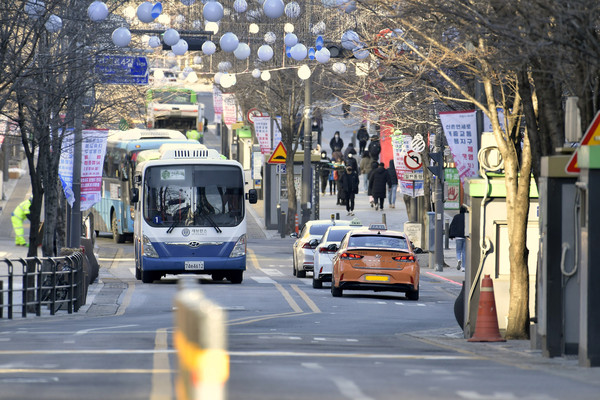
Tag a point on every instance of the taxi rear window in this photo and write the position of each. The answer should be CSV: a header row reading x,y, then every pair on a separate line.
x,y
318,229
378,241
337,235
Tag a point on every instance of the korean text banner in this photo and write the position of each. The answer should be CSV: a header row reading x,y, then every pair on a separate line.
x,y
460,128
262,130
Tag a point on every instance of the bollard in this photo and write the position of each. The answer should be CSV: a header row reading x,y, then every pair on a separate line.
x,y
383,219
337,215
446,235
296,227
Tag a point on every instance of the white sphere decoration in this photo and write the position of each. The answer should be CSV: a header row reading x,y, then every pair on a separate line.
x,y
121,37
171,58
323,55
97,11
54,24
304,72
265,52
290,39
270,37
288,28
224,66
35,8
209,47
319,28
180,19
253,28
242,52
154,41
180,48
292,10
339,68
164,19
256,73
217,77
171,37
350,40
240,6
144,12
298,52
197,60
229,42
211,27
360,52
273,8
228,80
213,11
265,75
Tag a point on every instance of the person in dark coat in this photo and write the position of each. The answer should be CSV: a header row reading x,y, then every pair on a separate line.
x,y
363,137
351,161
393,185
341,194
374,165
349,150
378,184
336,142
457,232
374,148
349,184
325,171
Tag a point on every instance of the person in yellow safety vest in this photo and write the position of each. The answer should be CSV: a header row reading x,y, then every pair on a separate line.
x,y
18,216
193,134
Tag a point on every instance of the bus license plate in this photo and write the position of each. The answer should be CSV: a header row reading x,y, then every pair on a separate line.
x,y
194,265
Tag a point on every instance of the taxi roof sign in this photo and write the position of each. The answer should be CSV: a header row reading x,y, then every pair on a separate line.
x,y
279,155
355,222
377,227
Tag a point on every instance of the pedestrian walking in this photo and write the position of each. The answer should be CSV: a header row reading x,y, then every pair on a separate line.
x,y
21,212
393,185
364,169
349,184
349,150
363,137
336,143
325,170
457,232
351,161
341,195
374,166
374,148
378,185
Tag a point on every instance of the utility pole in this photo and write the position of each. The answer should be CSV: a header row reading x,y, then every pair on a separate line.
x,y
438,170
306,205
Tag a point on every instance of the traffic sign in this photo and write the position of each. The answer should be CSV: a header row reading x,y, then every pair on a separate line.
x,y
591,138
413,176
122,70
279,155
413,160
253,112
418,144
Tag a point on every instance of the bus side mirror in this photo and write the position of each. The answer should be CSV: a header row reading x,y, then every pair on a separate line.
x,y
135,195
252,196
124,174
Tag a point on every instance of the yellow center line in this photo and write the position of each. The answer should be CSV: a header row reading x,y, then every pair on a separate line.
x,y
253,259
162,387
306,299
288,298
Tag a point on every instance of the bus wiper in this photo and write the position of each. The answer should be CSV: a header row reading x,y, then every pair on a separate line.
x,y
173,225
211,221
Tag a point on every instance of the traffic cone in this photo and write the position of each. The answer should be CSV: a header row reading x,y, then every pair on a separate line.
x,y
486,327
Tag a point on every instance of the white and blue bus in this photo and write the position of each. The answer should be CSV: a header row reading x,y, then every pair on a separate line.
x,y
190,214
113,213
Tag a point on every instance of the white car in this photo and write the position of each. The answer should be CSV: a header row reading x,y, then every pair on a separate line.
x,y
308,238
324,252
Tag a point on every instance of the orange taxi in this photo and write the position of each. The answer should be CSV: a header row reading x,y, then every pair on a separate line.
x,y
376,259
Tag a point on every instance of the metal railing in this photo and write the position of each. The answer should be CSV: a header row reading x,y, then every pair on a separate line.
x,y
36,283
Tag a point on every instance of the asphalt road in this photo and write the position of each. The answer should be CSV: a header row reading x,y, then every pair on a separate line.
x,y
286,340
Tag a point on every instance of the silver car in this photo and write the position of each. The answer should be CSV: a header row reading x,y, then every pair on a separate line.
x,y
307,240
324,252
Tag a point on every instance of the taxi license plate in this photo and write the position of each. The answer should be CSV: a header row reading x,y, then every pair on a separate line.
x,y
194,265
377,278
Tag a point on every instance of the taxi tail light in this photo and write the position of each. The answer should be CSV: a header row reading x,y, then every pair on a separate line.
x,y
408,258
307,246
325,250
350,256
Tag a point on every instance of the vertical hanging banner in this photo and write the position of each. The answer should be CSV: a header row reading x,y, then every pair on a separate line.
x,y
460,128
93,149
262,130
229,109
276,132
452,180
401,146
217,102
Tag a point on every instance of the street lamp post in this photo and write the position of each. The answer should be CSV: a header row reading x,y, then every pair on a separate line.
x,y
306,168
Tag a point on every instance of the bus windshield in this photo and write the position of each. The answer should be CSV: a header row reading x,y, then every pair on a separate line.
x,y
193,195
172,97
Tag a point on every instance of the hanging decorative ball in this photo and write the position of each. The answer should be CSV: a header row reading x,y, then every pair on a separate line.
x,y
265,52
288,50
304,72
54,24
242,52
217,77
224,66
350,40
154,41
253,28
273,8
311,53
180,48
292,10
209,47
319,42
229,42
290,39
339,68
228,80
360,52
97,11
318,28
213,11
197,60
144,12
253,15
180,19
265,75
288,28
270,37
121,37
35,8
212,27
156,10
240,6
298,52
323,55
171,37
256,73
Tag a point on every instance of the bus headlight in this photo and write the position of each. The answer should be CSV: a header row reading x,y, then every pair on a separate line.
x,y
239,249
132,212
147,248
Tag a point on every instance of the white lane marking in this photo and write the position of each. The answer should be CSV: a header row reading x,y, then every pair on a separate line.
x,y
84,331
263,279
132,270
341,355
349,389
312,365
272,272
117,259
472,395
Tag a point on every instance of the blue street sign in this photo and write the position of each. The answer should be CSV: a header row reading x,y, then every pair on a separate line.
x,y
122,70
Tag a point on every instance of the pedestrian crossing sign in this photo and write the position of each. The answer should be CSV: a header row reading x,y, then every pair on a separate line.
x,y
279,155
